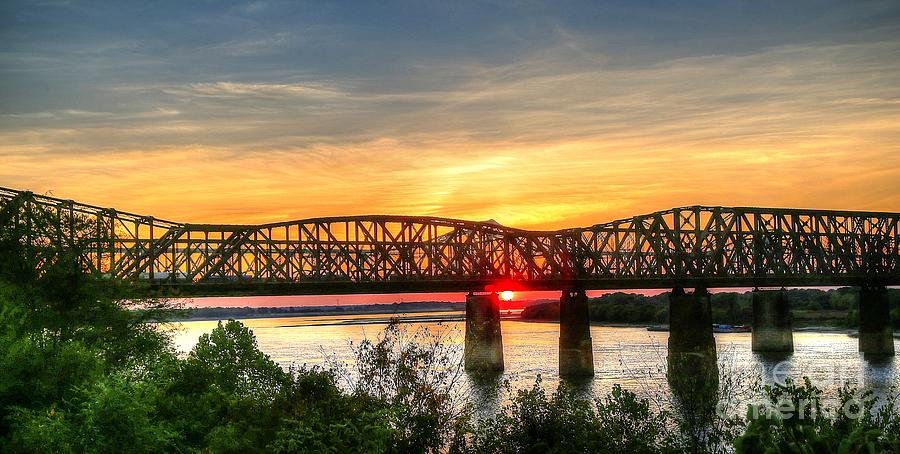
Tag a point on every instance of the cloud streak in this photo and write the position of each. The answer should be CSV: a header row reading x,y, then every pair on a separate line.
x,y
564,132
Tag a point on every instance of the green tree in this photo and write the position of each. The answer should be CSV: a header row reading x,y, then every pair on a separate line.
x,y
795,420
561,423
62,328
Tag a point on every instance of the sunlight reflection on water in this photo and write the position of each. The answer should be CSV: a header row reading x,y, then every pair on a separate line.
x,y
632,357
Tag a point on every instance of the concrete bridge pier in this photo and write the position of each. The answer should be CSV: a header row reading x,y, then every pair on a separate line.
x,y
690,323
484,342
692,370
772,322
576,352
876,337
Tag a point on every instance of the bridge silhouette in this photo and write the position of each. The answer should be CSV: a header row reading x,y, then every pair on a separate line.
x,y
696,247
681,247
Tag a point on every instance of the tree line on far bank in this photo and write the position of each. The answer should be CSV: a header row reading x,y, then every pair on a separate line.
x,y
219,313
838,308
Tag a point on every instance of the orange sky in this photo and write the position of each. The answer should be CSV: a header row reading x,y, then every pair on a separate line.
x,y
534,119
552,185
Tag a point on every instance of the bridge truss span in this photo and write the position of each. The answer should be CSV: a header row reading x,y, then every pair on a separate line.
x,y
688,246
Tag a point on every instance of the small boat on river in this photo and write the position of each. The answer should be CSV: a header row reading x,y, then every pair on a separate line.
x,y
731,328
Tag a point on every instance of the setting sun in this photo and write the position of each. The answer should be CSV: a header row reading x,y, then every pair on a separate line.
x,y
506,295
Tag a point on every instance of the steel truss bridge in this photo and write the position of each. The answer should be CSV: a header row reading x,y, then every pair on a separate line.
x,y
706,246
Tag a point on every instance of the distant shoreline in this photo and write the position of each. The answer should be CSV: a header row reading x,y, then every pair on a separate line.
x,y
327,313
249,312
387,309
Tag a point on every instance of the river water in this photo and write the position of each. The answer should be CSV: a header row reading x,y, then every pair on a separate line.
x,y
632,357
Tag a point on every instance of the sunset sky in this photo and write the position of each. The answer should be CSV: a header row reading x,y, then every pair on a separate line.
x,y
537,115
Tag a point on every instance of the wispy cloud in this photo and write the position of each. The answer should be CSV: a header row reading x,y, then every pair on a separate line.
x,y
238,90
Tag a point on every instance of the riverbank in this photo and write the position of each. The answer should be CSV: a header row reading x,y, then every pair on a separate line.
x,y
402,317
315,314
243,313
833,310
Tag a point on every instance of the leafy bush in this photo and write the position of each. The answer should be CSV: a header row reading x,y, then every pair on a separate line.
x,y
416,375
796,420
562,423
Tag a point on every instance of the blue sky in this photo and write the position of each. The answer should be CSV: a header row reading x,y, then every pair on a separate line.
x,y
537,114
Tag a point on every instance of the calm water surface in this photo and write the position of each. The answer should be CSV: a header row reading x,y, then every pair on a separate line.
x,y
632,357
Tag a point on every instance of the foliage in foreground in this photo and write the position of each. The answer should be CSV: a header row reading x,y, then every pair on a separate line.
x,y
81,372
796,419
562,423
